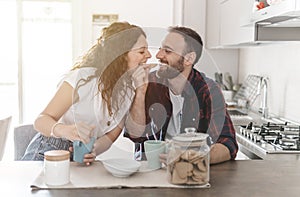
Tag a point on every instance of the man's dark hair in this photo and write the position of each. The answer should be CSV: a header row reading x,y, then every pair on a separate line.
x,y
192,39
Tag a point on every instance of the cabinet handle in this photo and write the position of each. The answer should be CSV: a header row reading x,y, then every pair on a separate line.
x,y
264,13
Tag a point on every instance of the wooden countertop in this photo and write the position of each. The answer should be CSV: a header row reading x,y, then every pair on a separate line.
x,y
233,178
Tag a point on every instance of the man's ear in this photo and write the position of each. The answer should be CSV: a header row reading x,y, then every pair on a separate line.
x,y
190,58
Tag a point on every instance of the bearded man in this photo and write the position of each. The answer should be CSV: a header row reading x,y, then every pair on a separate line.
x,y
177,96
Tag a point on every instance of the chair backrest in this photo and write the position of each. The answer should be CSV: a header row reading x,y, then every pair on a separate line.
x,y
22,137
4,128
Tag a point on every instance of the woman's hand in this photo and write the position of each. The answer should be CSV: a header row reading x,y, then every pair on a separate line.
x,y
88,158
78,131
140,76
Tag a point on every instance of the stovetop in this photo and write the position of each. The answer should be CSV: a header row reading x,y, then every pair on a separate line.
x,y
272,137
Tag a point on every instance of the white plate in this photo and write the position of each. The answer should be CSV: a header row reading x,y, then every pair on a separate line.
x,y
121,167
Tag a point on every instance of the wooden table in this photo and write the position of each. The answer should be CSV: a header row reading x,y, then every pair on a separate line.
x,y
233,178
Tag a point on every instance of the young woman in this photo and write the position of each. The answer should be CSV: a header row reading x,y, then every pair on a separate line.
x,y
93,99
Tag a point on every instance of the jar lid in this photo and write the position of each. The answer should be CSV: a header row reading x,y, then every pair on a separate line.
x,y
190,136
56,155
184,137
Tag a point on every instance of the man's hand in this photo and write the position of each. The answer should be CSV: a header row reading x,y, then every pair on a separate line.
x,y
163,158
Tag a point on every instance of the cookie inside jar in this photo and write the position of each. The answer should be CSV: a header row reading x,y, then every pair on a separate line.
x,y
188,159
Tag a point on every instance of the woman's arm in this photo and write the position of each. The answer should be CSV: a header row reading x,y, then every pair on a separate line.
x,y
135,123
103,143
59,104
136,120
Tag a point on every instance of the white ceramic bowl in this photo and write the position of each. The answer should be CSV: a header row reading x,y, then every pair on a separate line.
x,y
121,167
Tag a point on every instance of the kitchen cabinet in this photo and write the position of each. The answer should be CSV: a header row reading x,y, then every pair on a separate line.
x,y
213,24
225,23
190,13
226,60
284,8
195,15
233,13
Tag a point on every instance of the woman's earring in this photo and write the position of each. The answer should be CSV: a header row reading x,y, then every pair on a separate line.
x,y
102,41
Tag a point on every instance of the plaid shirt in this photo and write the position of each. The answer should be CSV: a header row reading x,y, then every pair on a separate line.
x,y
204,109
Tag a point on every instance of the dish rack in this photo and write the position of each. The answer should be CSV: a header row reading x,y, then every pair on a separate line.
x,y
248,92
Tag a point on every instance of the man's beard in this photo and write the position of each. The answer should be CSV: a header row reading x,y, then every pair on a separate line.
x,y
171,71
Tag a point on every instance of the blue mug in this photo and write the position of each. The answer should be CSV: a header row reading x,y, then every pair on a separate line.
x,y
80,149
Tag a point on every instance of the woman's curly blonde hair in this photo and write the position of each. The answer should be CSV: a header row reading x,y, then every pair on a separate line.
x,y
109,57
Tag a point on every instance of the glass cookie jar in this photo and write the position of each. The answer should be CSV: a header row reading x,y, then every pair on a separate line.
x,y
188,159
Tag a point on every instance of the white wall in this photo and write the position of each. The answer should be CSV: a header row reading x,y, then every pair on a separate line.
x,y
155,16
281,63
221,61
154,13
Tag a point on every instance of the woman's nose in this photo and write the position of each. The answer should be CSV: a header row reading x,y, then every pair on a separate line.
x,y
148,54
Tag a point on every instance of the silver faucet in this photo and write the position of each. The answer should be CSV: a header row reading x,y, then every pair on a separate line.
x,y
263,84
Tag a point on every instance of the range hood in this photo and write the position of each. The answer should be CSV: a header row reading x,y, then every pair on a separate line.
x,y
280,28
280,22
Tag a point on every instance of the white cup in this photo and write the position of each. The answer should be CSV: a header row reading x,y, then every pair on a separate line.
x,y
57,167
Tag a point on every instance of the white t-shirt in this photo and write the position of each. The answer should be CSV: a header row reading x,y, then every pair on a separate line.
x,y
175,121
90,107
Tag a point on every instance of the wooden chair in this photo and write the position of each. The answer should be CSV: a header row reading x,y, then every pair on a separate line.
x,y
4,128
22,136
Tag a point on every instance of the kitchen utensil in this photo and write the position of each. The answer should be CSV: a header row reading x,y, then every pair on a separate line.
x,y
228,80
224,87
236,87
219,80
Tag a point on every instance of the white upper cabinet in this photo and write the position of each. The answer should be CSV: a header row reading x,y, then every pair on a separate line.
x,y
194,15
213,24
282,8
233,13
225,23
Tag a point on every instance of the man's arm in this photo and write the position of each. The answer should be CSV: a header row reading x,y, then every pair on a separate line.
x,y
219,153
221,129
227,137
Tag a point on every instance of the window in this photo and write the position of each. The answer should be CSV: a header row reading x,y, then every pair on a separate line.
x,y
9,59
46,52
35,50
